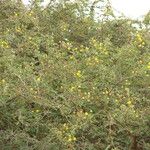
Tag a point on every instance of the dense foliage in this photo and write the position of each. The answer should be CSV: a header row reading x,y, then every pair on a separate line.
x,y
71,80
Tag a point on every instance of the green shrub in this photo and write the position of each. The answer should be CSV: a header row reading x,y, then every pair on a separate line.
x,y
71,82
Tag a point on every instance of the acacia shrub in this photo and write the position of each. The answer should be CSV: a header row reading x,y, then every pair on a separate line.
x,y
60,92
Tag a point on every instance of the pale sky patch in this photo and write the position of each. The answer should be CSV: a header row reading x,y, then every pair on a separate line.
x,y
130,8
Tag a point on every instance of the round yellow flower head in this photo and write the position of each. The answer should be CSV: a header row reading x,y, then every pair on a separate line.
x,y
74,138
148,66
86,113
16,14
31,89
72,88
96,59
71,57
3,81
38,79
37,110
129,102
69,139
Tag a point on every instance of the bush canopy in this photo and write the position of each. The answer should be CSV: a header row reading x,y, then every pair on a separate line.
x,y
73,76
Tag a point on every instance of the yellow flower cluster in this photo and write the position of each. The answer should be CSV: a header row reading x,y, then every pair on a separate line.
x,y
31,13
127,82
37,111
78,74
71,138
4,44
3,81
135,114
34,92
139,41
86,96
72,57
148,66
67,45
65,127
82,48
83,115
18,29
75,88
64,26
65,130
107,92
94,43
72,88
92,61
129,103
99,46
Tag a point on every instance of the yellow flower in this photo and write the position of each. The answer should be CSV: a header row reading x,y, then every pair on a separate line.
x,y
37,110
65,126
83,97
136,115
30,38
75,49
147,75
86,113
78,74
38,79
71,57
96,60
18,29
86,48
129,102
4,44
31,89
106,53
30,14
116,101
3,80
91,110
139,37
69,139
140,61
16,14
107,92
72,88
148,66
139,45
74,138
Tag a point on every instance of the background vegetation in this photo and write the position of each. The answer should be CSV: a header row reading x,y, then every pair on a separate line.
x,y
73,77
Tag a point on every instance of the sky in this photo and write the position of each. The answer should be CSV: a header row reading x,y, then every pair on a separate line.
x,y
134,9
